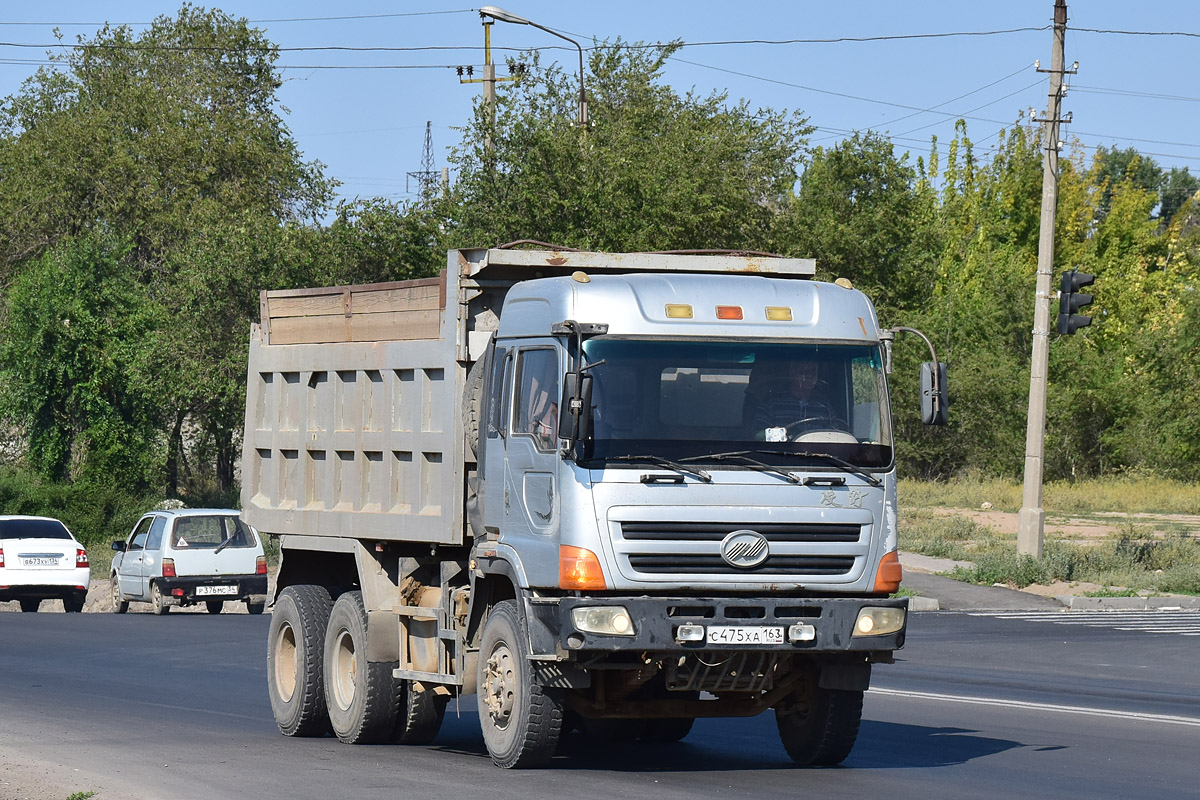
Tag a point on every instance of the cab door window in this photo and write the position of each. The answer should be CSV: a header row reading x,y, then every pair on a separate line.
x,y
535,412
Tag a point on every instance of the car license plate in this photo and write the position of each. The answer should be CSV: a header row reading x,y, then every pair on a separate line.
x,y
210,590
42,561
744,634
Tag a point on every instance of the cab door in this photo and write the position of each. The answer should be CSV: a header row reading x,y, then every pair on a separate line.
x,y
532,446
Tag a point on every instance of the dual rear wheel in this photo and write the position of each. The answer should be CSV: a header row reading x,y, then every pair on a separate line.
x,y
320,681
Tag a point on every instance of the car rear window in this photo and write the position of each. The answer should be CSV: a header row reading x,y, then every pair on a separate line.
x,y
33,529
209,532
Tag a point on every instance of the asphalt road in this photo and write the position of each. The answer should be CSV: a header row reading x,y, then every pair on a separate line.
x,y
139,706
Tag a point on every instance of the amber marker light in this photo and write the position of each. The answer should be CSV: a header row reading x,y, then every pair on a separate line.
x,y
779,314
729,312
579,569
889,574
679,311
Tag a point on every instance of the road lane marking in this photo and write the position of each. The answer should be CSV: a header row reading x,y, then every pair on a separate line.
x,y
1172,622
1111,713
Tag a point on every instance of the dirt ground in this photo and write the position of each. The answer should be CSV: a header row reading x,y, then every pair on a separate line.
x,y
99,602
1080,530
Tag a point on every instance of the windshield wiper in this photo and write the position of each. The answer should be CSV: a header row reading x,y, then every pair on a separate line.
x,y
744,457
664,462
840,463
223,545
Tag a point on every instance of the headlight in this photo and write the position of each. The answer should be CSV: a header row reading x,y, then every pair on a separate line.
x,y
878,621
608,620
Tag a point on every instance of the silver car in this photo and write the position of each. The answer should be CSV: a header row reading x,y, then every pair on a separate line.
x,y
189,556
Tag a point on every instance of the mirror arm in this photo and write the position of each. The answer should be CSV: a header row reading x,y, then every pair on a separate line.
x,y
936,377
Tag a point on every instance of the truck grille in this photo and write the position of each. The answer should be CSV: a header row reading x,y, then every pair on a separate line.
x,y
801,550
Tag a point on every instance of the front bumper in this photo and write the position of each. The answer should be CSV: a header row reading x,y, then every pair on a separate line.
x,y
185,588
656,620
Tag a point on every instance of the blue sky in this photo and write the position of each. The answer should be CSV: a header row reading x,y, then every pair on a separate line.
x,y
363,113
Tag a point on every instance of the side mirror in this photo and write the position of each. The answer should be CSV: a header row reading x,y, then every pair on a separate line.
x,y
119,546
935,397
575,416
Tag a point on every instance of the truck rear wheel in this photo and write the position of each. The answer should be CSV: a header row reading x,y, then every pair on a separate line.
x,y
295,660
521,720
819,729
420,715
360,694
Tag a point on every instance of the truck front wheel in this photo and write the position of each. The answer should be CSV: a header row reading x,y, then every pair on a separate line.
x,y
521,720
818,728
361,694
295,660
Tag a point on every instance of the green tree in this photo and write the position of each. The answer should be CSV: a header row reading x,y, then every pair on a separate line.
x,y
656,169
73,362
859,213
170,140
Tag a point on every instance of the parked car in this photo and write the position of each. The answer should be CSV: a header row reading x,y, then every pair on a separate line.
x,y
41,560
189,556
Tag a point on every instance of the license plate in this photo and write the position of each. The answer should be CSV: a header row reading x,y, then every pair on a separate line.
x,y
210,590
744,634
39,562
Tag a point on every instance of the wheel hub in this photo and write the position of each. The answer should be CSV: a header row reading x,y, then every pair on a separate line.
x,y
500,686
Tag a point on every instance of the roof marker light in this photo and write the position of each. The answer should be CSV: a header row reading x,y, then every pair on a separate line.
x,y
679,311
729,312
779,313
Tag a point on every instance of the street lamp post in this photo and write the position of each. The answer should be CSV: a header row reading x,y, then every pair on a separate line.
x,y
500,15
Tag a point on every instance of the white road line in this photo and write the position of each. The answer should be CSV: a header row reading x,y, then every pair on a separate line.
x,y
1167,719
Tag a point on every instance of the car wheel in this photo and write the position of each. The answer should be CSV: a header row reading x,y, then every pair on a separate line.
x,y
157,602
73,603
360,694
253,607
119,605
296,658
521,720
30,605
214,606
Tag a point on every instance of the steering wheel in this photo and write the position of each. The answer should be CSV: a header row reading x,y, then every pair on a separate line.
x,y
827,423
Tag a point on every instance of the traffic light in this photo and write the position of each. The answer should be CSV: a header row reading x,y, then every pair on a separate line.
x,y
1072,300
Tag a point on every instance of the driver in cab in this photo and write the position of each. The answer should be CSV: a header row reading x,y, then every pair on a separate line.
x,y
794,401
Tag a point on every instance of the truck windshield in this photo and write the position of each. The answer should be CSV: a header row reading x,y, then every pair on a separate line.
x,y
787,403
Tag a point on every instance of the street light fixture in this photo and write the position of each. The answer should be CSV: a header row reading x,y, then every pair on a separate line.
x,y
500,15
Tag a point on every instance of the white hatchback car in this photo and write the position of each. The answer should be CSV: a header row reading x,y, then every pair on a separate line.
x,y
189,556
41,560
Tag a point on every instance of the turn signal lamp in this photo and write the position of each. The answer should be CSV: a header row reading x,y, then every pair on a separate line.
x,y
168,568
889,574
81,559
579,569
260,565
679,311
779,314
1,556
729,312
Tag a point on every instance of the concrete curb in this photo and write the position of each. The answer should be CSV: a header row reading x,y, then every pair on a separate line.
x,y
1074,603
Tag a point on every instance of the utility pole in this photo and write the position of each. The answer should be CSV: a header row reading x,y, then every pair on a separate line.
x,y
488,80
1032,519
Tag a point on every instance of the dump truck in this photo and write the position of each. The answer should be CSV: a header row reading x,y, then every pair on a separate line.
x,y
605,492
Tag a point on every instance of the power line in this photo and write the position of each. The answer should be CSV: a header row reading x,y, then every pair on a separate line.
x,y
257,21
1138,33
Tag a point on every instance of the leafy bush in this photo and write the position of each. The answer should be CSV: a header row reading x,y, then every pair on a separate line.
x,y
95,513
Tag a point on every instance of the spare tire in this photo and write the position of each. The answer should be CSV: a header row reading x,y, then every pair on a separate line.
x,y
472,410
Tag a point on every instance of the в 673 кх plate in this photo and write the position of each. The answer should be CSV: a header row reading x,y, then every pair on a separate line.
x,y
206,590
745,634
